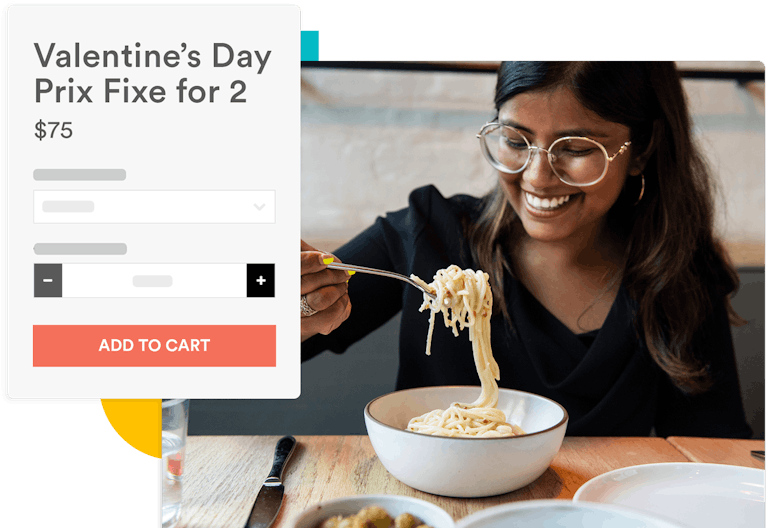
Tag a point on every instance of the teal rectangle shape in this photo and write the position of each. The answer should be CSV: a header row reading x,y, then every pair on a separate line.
x,y
310,45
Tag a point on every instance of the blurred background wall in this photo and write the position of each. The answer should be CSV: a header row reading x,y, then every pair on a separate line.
x,y
370,136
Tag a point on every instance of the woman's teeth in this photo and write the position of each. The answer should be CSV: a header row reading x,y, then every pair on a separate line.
x,y
546,203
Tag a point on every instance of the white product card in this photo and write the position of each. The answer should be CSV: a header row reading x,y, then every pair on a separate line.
x,y
153,201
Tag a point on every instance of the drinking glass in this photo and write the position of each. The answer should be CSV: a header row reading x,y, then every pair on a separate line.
x,y
175,421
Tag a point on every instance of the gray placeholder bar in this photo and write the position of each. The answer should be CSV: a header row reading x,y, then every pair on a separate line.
x,y
81,249
68,206
79,174
152,281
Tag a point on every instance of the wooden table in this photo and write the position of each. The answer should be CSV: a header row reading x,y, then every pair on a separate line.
x,y
719,451
224,473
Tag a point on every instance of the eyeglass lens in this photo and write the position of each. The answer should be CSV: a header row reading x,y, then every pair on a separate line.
x,y
577,161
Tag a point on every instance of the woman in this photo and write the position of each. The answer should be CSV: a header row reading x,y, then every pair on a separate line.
x,y
610,291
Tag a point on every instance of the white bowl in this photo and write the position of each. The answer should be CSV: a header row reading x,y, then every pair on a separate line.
x,y
430,514
465,467
563,514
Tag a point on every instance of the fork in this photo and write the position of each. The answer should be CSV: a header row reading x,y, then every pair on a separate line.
x,y
390,274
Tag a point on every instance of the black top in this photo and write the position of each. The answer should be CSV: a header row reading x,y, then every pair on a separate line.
x,y
605,379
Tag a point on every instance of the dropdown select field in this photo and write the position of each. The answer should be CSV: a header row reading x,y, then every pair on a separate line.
x,y
154,207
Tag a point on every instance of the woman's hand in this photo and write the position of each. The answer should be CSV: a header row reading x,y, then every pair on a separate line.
x,y
323,293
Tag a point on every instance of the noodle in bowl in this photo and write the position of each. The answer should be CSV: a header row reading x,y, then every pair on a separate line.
x,y
465,300
465,467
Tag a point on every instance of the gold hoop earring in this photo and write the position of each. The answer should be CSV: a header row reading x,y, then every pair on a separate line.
x,y
642,189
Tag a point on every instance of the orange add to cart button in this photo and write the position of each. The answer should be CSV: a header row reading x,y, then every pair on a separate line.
x,y
154,346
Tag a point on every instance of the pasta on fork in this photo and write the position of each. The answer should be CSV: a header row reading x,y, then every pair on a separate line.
x,y
468,296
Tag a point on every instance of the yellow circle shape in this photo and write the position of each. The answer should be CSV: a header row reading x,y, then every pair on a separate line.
x,y
138,422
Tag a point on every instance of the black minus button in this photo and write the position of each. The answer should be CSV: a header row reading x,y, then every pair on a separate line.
x,y
47,280
261,280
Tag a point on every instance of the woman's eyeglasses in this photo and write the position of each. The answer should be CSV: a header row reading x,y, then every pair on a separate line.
x,y
577,161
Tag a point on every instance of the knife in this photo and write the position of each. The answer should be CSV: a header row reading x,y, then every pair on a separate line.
x,y
270,496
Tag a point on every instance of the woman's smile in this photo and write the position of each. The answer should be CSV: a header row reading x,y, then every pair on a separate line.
x,y
538,204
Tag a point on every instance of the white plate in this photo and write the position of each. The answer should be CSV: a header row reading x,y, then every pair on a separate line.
x,y
429,513
562,514
700,495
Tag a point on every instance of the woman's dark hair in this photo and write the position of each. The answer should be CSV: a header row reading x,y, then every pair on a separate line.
x,y
672,263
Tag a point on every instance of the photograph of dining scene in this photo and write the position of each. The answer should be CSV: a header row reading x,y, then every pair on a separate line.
x,y
532,295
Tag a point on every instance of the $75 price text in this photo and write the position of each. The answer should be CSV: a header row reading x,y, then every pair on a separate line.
x,y
52,129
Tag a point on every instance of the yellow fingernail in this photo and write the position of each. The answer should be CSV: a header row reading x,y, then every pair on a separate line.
x,y
351,272
328,260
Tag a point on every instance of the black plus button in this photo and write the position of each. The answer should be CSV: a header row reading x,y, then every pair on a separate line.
x,y
261,280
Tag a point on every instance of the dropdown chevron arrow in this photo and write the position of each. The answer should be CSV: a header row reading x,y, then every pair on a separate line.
x,y
259,207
